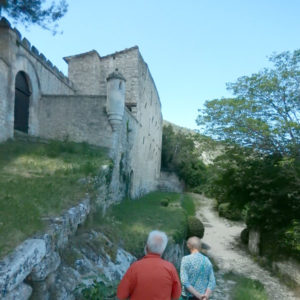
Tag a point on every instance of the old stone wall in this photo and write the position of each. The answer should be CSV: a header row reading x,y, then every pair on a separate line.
x,y
75,108
126,167
4,116
84,71
150,134
17,54
143,104
88,72
126,62
79,118
83,118
35,259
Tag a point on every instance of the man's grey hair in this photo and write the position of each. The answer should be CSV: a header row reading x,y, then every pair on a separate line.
x,y
194,243
157,242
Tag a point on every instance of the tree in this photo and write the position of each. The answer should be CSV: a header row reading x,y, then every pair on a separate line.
x,y
34,12
259,171
179,155
265,112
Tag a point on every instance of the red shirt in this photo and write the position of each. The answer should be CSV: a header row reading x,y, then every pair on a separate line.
x,y
150,278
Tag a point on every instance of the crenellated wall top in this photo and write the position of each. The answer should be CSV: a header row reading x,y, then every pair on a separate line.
x,y
24,42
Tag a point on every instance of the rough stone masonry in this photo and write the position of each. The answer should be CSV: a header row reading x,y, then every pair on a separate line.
x,y
109,101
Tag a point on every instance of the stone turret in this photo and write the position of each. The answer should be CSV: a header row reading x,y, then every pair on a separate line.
x,y
115,99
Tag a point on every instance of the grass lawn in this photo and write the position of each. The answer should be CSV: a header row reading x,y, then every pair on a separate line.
x,y
128,223
246,288
39,180
188,204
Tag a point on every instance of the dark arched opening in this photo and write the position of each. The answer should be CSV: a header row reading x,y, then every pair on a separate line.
x,y
22,98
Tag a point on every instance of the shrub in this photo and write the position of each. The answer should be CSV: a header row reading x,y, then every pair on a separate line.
x,y
227,211
245,235
198,189
164,202
291,239
195,227
98,291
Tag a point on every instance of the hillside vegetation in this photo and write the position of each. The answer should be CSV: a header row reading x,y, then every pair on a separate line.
x,y
128,223
256,176
181,153
39,180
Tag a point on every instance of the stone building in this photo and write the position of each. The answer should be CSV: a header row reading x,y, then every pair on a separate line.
x,y
109,101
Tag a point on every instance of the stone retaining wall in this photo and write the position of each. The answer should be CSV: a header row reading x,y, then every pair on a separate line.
x,y
35,259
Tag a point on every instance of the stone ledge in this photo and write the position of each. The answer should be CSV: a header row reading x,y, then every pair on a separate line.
x,y
38,257
63,227
48,265
18,265
22,292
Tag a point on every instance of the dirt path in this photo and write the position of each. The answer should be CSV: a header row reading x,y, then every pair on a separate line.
x,y
222,237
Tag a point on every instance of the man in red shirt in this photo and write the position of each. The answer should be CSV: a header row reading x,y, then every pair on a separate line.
x,y
151,278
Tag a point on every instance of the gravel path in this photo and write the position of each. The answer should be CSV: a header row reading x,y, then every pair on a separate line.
x,y
222,237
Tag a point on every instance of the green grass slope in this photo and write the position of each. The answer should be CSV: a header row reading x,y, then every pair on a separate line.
x,y
40,180
128,223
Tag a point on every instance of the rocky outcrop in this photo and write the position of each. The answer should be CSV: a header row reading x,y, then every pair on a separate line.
x,y
56,263
36,259
174,253
22,291
17,266
48,265
254,241
89,256
169,182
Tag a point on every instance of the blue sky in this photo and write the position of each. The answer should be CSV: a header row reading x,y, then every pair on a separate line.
x,y
192,47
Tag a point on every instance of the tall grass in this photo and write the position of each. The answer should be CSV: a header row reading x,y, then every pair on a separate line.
x,y
40,180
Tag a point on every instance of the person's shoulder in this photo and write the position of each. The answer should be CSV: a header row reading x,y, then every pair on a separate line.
x,y
136,264
187,257
168,264
207,260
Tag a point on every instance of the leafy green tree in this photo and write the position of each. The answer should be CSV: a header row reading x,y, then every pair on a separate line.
x,y
259,171
180,156
34,12
265,112
177,148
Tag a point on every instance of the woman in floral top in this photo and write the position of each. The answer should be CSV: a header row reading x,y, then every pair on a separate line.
x,y
196,273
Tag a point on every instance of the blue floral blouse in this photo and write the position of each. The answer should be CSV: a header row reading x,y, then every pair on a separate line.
x,y
196,271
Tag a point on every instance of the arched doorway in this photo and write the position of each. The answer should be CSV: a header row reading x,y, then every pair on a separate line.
x,y
22,98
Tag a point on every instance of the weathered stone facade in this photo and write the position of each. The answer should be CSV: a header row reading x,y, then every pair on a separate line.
x,y
76,107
